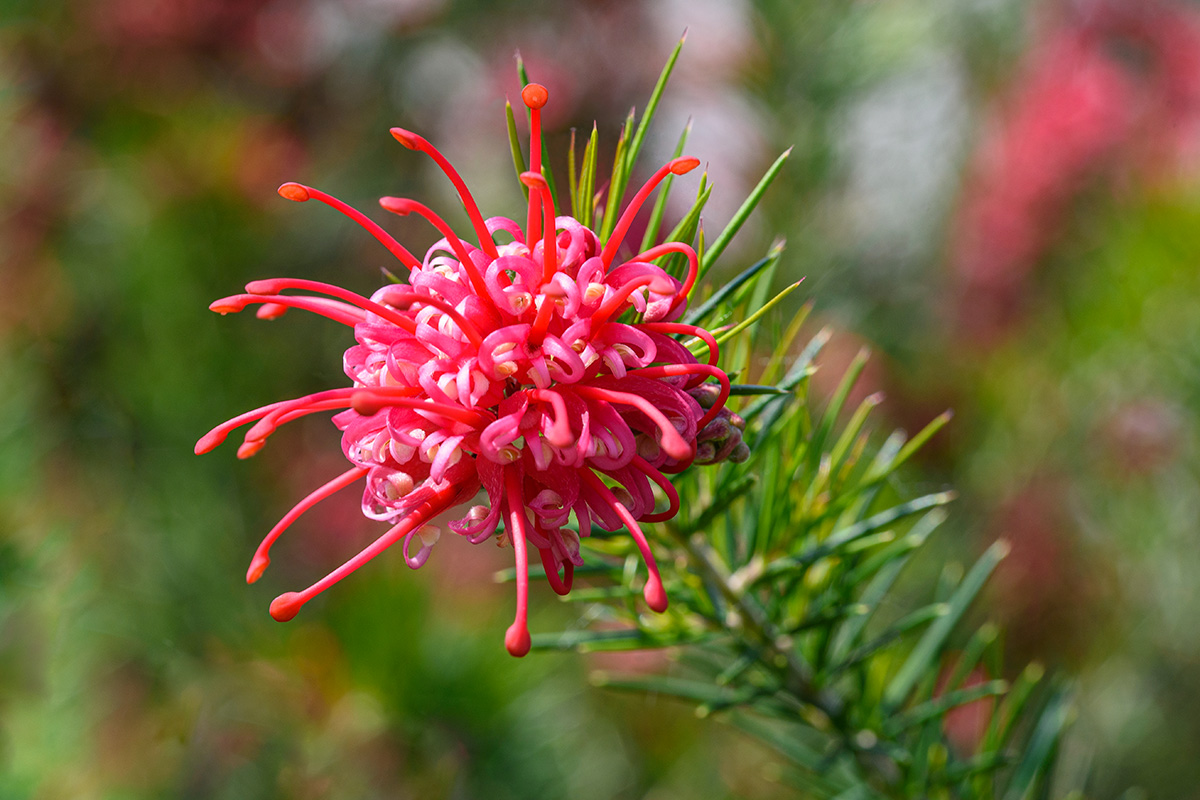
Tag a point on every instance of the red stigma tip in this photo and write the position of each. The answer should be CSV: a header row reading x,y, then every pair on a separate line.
x,y
535,96
286,606
208,441
294,192
396,205
257,567
406,138
516,639
679,166
262,287
655,594
271,311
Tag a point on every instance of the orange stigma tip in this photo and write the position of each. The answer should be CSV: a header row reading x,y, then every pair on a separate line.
x,y
257,567
686,164
251,448
294,192
655,594
533,179
516,639
535,95
226,306
286,606
406,138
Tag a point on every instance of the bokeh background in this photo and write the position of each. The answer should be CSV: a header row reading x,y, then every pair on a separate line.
x,y
1001,197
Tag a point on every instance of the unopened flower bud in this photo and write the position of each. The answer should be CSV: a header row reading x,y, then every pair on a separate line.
x,y
715,431
726,446
705,394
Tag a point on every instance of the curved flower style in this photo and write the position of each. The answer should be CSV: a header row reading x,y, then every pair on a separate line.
x,y
505,366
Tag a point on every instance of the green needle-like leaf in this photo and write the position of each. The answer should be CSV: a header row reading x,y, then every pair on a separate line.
x,y
573,177
934,612
800,370
616,183
906,452
844,536
515,143
789,745
752,389
937,708
742,214
702,311
834,408
587,181
697,691
728,496
685,230
660,203
932,642
635,147
757,315
1041,748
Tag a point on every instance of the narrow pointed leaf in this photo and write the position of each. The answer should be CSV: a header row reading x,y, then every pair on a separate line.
x,y
1041,748
937,707
800,370
694,690
573,177
906,452
723,501
660,203
757,315
844,536
931,643
739,218
695,316
515,143
587,181
752,389
635,147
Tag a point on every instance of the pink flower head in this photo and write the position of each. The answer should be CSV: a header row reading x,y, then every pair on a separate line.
x,y
505,366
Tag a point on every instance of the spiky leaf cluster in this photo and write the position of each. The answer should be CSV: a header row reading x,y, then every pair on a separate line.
x,y
784,572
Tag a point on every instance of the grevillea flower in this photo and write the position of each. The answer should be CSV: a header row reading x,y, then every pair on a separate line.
x,y
505,366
